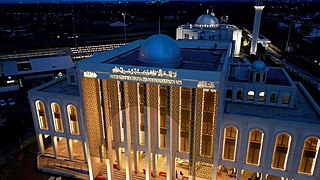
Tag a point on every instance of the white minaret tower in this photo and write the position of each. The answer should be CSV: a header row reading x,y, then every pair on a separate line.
x,y
256,26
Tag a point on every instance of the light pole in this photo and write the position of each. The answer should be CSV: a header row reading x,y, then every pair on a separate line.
x,y
124,27
74,31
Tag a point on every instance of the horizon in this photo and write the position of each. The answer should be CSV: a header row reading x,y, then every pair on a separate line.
x,y
128,1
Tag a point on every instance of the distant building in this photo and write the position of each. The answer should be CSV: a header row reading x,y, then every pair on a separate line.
x,y
16,68
118,24
207,27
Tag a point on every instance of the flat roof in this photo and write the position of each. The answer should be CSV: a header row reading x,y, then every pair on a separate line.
x,y
61,87
302,112
192,58
275,76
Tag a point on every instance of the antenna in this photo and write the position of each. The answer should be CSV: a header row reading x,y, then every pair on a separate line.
x,y
159,25
74,31
124,27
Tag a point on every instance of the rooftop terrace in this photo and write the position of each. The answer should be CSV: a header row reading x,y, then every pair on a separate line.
x,y
302,112
195,59
60,87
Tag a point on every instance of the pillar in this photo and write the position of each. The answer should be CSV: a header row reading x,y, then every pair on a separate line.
x,y
70,148
256,27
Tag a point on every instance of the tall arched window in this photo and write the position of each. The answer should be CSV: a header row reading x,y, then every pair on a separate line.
x,y
258,77
229,94
73,119
41,112
56,116
239,94
281,151
254,147
309,155
230,143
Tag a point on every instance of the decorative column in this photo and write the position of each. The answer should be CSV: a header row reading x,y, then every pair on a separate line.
x,y
152,105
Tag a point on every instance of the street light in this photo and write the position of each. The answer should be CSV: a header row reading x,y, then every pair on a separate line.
x,y
124,27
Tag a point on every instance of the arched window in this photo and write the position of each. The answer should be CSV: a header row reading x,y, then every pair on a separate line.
x,y
73,119
309,155
285,99
262,96
254,147
274,98
41,112
56,116
281,151
230,143
258,77
229,94
250,95
239,94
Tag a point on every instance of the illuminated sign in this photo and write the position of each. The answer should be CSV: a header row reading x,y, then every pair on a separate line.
x,y
90,74
206,85
148,76
146,79
151,72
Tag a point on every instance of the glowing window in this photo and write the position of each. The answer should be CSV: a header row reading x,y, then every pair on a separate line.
x,y
185,119
41,112
281,151
230,143
73,119
162,116
251,95
262,96
254,147
309,155
142,102
56,116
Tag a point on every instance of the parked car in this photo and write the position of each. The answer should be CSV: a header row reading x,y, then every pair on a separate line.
x,y
3,102
11,102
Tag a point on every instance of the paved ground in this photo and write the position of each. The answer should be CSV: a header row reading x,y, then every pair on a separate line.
x,y
27,170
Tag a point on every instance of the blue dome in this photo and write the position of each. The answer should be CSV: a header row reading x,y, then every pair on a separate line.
x,y
207,20
258,65
160,51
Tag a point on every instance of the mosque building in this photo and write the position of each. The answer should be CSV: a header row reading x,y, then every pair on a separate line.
x,y
176,109
208,27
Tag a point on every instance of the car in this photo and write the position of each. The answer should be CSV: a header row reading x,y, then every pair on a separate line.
x,y
11,102
3,102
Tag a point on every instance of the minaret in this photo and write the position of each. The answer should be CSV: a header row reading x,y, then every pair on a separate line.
x,y
256,26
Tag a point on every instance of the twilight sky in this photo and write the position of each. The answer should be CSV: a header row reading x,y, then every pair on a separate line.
x,y
50,1
62,1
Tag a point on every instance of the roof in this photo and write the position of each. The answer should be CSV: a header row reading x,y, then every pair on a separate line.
x,y
37,65
302,112
59,86
195,59
275,76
